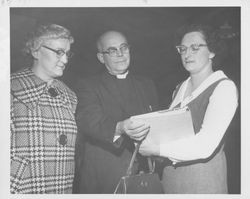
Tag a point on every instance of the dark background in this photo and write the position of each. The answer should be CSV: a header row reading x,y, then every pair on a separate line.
x,y
150,32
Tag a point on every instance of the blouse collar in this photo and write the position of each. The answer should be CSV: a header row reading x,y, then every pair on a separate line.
x,y
215,76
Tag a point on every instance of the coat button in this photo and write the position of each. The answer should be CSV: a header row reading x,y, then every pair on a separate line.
x,y
63,139
52,92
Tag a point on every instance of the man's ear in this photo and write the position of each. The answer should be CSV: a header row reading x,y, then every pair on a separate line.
x,y
100,57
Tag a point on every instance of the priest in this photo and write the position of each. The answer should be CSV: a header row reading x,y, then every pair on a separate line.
x,y
106,102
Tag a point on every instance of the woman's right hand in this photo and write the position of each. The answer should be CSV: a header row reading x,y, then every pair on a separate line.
x,y
149,147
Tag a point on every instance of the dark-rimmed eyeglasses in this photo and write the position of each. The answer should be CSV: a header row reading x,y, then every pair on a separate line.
x,y
60,52
113,51
182,49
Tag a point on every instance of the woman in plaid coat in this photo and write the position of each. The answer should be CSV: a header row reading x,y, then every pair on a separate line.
x,y
43,128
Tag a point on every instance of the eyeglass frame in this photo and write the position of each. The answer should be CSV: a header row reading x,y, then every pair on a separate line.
x,y
60,52
194,48
116,50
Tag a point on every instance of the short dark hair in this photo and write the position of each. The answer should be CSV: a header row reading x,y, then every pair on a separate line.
x,y
207,31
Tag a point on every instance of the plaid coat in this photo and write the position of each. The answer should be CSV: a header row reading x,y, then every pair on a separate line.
x,y
39,163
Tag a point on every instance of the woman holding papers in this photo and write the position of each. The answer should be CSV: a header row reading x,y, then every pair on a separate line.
x,y
199,162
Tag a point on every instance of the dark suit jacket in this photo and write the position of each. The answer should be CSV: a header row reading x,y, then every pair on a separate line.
x,y
101,105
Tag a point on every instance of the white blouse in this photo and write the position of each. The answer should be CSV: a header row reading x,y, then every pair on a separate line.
x,y
220,111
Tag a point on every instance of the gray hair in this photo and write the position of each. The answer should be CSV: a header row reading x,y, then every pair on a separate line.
x,y
44,33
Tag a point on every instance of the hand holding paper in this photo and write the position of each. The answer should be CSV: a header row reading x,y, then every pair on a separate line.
x,y
148,147
135,129
167,125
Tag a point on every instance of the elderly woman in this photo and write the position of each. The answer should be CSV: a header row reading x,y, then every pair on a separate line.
x,y
43,127
199,162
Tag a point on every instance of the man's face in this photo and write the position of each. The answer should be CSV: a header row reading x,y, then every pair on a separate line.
x,y
116,62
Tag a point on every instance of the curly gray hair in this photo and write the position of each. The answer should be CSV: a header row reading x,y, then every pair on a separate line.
x,y
44,33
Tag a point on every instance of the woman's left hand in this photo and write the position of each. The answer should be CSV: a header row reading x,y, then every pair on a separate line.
x,y
149,147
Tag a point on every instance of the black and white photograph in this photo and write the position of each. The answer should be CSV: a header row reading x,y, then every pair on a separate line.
x,y
116,99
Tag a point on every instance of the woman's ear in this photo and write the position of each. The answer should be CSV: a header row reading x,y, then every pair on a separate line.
x,y
211,55
100,57
34,54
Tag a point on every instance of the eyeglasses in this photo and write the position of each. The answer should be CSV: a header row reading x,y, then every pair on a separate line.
x,y
60,52
112,51
194,48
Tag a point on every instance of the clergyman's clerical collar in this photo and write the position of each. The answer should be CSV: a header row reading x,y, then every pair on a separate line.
x,y
121,76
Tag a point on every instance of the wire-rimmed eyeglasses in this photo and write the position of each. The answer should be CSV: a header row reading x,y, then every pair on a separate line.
x,y
60,52
182,49
113,51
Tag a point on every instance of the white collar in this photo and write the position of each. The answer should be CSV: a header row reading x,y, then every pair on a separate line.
x,y
205,84
121,76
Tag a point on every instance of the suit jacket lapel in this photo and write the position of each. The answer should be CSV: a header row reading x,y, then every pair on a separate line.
x,y
113,90
140,95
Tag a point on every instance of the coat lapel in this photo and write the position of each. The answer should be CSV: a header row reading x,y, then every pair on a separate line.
x,y
140,95
138,92
114,92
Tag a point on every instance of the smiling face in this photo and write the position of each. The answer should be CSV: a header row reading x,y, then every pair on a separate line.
x,y
115,64
198,61
47,63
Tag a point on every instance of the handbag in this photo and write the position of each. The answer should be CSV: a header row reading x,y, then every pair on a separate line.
x,y
143,183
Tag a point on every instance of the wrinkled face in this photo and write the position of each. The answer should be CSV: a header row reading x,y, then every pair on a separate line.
x,y
50,64
118,63
196,60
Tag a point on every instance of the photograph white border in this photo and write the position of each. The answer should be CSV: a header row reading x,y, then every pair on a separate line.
x,y
5,81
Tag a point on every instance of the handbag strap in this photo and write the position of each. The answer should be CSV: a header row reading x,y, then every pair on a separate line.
x,y
151,165
129,170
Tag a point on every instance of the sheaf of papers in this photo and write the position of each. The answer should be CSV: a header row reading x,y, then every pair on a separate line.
x,y
168,125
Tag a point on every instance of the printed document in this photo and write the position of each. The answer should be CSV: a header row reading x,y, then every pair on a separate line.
x,y
168,125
